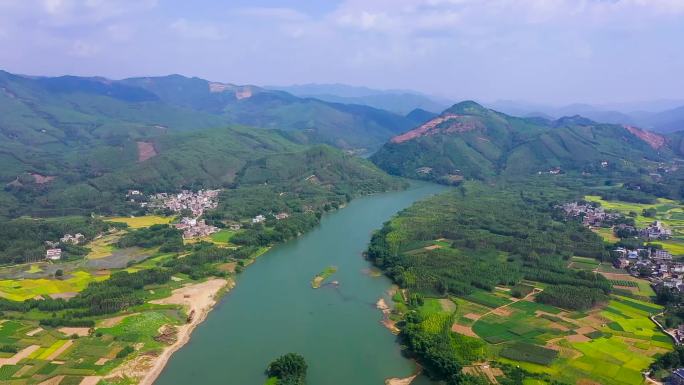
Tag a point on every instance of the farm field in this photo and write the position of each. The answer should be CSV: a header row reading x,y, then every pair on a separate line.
x,y
611,345
606,233
23,289
140,222
668,211
50,353
103,246
222,236
583,263
624,281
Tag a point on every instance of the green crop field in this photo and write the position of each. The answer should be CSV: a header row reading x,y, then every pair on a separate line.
x,y
140,328
487,299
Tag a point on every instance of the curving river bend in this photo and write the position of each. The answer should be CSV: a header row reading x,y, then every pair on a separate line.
x,y
273,309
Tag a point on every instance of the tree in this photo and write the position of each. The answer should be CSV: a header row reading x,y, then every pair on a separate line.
x,y
288,369
59,273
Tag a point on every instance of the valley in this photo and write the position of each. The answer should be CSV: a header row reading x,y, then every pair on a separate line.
x,y
553,257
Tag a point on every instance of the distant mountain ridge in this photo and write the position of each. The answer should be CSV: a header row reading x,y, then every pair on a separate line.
x,y
398,101
468,140
660,116
177,102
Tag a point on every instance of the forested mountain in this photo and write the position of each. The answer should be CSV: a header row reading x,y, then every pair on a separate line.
x,y
470,141
72,145
40,110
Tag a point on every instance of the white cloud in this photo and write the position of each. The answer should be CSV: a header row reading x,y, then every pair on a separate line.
x,y
83,49
198,30
272,13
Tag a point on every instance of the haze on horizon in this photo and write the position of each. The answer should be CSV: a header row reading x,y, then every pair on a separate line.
x,y
544,51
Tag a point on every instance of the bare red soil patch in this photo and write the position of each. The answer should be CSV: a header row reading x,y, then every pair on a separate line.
x,y
146,151
654,140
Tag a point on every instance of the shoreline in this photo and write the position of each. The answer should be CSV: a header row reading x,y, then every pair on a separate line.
x,y
199,299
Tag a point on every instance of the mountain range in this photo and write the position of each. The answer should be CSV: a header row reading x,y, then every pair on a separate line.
x,y
47,110
468,140
660,116
73,145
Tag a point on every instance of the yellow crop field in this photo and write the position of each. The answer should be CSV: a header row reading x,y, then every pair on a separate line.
x,y
141,222
23,289
102,247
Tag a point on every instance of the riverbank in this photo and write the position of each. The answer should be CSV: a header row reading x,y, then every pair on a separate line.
x,y
198,299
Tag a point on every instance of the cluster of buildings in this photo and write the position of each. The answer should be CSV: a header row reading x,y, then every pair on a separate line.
x,y
262,218
656,230
196,202
592,215
656,265
72,239
193,228
54,252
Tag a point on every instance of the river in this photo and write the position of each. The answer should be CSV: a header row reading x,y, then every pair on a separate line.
x,y
273,309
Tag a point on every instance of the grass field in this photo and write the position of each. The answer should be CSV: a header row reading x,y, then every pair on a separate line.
x,y
222,236
23,289
140,222
606,233
583,263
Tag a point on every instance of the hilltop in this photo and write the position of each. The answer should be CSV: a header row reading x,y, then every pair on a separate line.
x,y
470,141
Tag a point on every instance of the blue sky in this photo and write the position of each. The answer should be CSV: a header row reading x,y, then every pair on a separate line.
x,y
549,51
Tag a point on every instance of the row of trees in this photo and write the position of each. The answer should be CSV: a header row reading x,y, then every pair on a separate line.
x,y
572,297
167,238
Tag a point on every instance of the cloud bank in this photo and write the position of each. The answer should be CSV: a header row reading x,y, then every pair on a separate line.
x,y
552,51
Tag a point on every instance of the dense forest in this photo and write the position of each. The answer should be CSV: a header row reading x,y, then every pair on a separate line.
x,y
166,237
497,237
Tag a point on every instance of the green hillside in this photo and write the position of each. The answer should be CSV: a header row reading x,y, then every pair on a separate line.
x,y
73,145
470,141
313,120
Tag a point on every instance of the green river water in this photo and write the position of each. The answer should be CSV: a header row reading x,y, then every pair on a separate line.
x,y
273,309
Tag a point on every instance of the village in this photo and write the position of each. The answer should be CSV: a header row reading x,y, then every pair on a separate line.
x,y
649,262
185,202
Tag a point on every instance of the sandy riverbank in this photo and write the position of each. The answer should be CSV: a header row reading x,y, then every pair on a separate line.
x,y
401,381
197,299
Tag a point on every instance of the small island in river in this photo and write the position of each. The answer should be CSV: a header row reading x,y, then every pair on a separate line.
x,y
318,280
